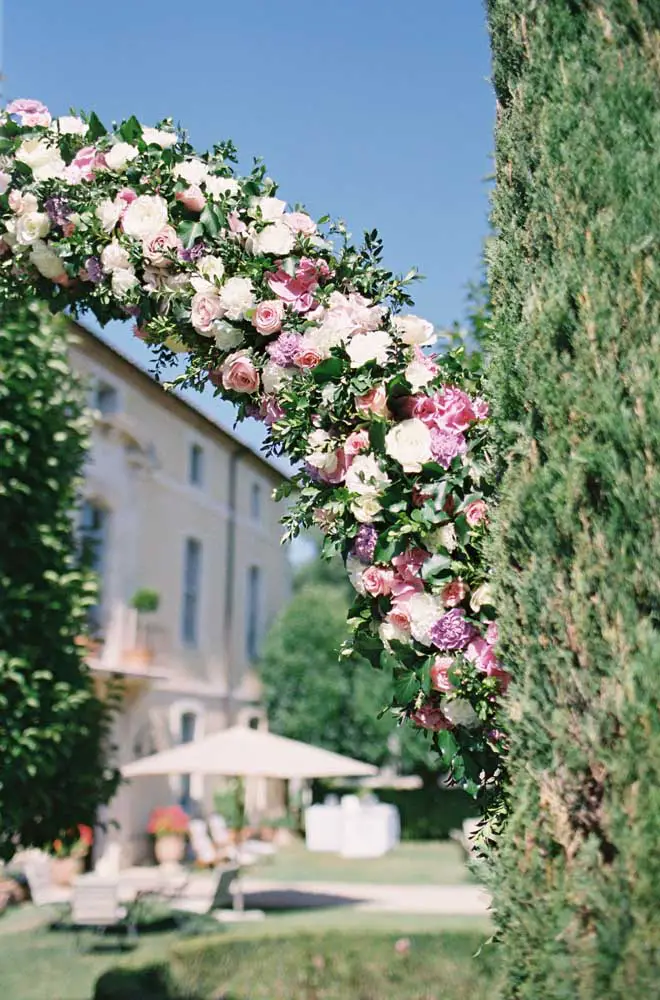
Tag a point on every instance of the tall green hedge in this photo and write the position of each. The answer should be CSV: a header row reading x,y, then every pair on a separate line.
x,y
52,727
576,386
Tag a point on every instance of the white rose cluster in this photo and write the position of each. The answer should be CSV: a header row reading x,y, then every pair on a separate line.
x,y
409,444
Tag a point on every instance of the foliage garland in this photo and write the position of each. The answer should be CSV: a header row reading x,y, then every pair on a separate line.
x,y
303,330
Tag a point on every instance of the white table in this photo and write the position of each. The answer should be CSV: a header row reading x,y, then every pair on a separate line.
x,y
352,829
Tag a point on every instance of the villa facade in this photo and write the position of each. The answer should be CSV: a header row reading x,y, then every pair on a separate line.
x,y
173,504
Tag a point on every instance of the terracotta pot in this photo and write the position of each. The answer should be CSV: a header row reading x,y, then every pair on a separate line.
x,y
170,848
64,870
140,656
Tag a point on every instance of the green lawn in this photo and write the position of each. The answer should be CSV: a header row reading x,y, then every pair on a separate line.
x,y
278,958
411,863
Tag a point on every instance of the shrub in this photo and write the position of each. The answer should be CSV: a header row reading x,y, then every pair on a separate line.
x,y
575,383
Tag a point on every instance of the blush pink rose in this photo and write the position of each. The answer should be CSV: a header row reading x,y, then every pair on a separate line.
x,y
267,318
236,224
377,581
355,443
155,250
373,402
192,198
300,222
311,272
205,310
239,373
440,674
476,512
84,165
29,113
454,593
399,615
337,473
307,357
430,717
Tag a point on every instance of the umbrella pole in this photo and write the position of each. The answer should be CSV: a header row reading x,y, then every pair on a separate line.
x,y
239,898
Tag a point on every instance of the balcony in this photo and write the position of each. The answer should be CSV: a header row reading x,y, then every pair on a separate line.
x,y
124,657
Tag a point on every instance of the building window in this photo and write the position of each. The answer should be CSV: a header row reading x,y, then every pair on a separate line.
x,y
192,570
106,398
94,528
196,465
255,502
186,735
253,612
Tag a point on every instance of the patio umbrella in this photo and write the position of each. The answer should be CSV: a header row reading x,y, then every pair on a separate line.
x,y
245,753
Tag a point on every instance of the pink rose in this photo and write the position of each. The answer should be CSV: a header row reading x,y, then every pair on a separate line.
x,y
440,674
482,655
422,407
337,472
125,197
29,113
236,224
475,512
429,717
300,222
373,402
480,407
155,249
377,581
267,318
192,198
310,272
492,633
239,373
399,615
291,290
355,443
307,357
409,564
84,165
205,310
454,407
454,593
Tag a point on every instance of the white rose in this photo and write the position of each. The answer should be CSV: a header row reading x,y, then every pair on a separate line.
x,y
389,632
236,297
158,137
22,203
211,268
276,239
218,186
70,125
409,444
115,258
355,569
271,208
145,217
418,375
365,476
444,537
43,159
192,171
366,509
482,595
123,281
372,346
413,330
5,181
109,213
324,461
424,610
273,377
30,227
319,439
46,261
120,155
227,336
459,711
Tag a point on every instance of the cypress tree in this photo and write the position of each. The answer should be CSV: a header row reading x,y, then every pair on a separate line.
x,y
575,381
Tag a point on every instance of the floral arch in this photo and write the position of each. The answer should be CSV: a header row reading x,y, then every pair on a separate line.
x,y
283,316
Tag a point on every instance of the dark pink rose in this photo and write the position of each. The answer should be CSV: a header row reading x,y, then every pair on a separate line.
x,y
409,564
377,581
239,373
454,408
291,290
430,717
476,512
454,593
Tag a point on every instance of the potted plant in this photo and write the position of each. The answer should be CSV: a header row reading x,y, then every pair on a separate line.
x,y
169,826
70,851
144,602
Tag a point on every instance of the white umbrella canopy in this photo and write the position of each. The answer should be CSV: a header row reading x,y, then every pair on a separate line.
x,y
244,753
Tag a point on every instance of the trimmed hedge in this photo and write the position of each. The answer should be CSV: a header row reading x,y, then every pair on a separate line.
x,y
428,813
575,382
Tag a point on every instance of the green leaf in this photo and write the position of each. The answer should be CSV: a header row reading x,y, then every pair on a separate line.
x,y
447,745
328,370
212,219
406,687
189,231
377,435
130,130
96,127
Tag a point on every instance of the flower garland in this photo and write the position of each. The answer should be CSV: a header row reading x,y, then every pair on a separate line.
x,y
302,330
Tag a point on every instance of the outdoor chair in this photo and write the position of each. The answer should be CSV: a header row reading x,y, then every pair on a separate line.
x,y
202,846
95,906
37,871
222,896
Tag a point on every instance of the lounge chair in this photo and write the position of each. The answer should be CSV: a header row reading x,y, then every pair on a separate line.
x,y
222,896
37,871
203,848
95,906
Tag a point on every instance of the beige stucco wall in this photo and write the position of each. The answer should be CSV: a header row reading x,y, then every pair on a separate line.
x,y
139,471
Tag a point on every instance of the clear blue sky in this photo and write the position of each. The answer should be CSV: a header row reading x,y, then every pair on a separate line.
x,y
376,111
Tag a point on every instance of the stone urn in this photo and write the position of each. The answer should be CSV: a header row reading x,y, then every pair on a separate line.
x,y
170,848
64,870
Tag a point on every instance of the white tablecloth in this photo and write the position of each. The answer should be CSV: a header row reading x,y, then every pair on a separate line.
x,y
352,830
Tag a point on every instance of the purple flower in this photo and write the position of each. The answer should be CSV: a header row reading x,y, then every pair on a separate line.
x,y
365,543
94,270
446,445
193,253
452,631
284,349
58,210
